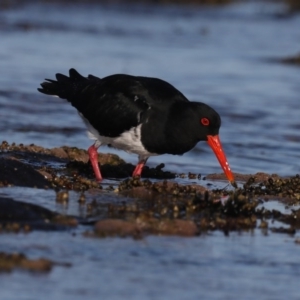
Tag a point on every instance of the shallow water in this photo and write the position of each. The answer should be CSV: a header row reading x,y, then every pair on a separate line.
x,y
225,57
221,56
210,267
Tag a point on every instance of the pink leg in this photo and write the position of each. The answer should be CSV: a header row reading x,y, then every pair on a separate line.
x,y
139,167
93,155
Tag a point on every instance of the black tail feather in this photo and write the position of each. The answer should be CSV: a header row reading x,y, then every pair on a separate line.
x,y
92,77
75,75
66,87
62,78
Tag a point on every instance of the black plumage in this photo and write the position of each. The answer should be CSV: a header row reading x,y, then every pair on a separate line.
x,y
167,121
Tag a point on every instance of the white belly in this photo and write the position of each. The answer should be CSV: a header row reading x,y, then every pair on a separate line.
x,y
129,141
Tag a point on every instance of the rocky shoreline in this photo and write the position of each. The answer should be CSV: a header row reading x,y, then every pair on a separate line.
x,y
143,206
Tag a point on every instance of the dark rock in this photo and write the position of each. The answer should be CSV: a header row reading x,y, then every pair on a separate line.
x,y
14,172
290,230
16,216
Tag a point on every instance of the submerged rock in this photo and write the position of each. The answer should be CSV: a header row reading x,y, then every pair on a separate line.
x,y
115,227
18,216
13,261
8,262
144,226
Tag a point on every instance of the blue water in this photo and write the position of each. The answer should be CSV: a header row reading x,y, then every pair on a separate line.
x,y
244,265
221,56
226,57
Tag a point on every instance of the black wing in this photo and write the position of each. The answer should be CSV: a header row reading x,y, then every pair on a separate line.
x,y
115,103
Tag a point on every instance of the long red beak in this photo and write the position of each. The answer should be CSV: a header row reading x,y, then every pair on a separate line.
x,y
215,143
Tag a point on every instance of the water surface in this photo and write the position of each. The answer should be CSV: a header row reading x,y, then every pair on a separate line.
x,y
226,57
221,56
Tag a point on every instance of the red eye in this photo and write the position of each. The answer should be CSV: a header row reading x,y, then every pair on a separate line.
x,y
205,121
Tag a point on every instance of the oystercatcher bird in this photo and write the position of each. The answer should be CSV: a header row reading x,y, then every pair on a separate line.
x,y
141,115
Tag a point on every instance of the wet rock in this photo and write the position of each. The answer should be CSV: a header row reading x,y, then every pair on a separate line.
x,y
18,216
119,170
59,152
64,221
260,176
133,186
274,186
169,227
14,172
161,207
69,153
76,165
114,227
290,230
145,226
9,262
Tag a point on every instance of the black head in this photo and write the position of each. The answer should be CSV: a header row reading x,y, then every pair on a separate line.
x,y
188,123
206,120
193,122
208,129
